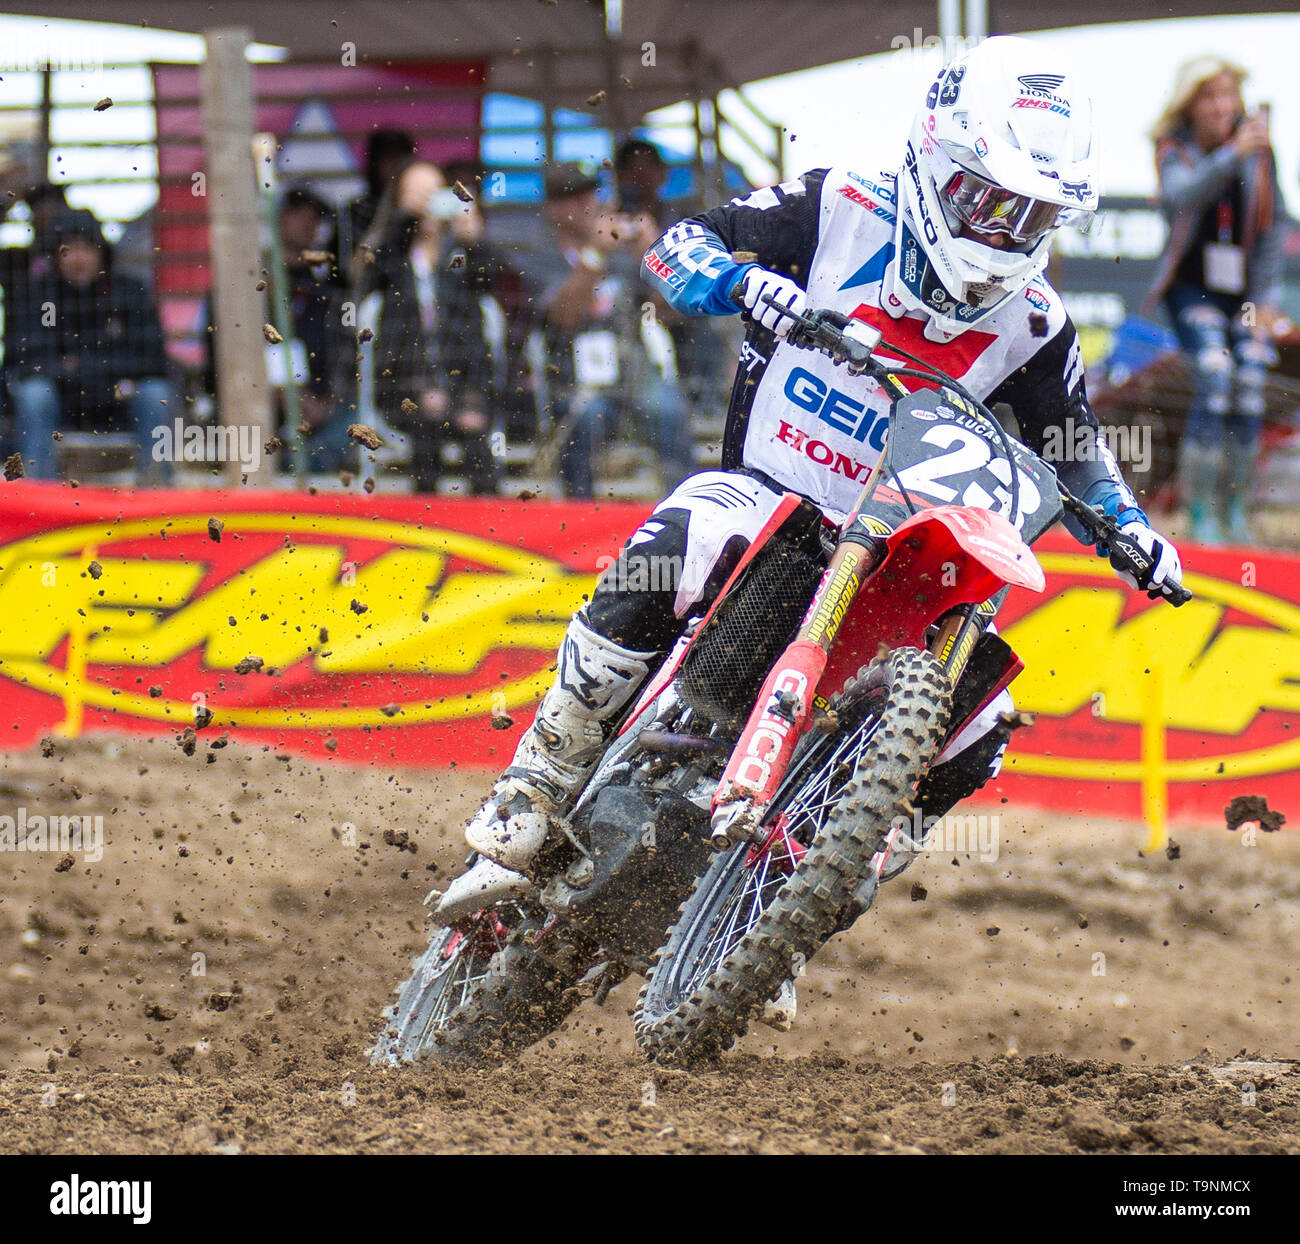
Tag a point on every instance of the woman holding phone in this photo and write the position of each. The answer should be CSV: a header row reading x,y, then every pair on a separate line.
x,y
1220,281
436,373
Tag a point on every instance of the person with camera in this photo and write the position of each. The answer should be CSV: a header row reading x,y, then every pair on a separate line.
x,y
1220,281
434,359
585,284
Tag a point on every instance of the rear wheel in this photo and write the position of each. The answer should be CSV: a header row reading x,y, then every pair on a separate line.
x,y
760,912
484,989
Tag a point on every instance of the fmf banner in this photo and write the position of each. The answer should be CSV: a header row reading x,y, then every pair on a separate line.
x,y
373,629
405,630
1214,686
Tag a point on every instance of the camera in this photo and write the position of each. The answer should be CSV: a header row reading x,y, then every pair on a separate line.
x,y
444,205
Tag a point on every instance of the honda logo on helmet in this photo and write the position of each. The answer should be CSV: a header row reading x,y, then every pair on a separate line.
x,y
1041,81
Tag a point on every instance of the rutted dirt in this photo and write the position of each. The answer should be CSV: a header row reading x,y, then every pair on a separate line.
x,y
1070,995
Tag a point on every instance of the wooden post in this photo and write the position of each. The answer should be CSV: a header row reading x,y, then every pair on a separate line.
x,y
226,93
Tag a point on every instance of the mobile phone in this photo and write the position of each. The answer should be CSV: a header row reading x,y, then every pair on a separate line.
x,y
444,205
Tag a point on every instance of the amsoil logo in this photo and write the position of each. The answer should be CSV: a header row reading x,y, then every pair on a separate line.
x,y
855,195
300,621
669,276
1231,658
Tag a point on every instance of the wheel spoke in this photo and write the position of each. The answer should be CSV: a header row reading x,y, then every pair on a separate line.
x,y
453,981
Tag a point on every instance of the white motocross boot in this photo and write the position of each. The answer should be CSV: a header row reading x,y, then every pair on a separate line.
x,y
595,680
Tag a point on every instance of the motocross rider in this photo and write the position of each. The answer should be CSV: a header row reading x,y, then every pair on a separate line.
x,y
947,258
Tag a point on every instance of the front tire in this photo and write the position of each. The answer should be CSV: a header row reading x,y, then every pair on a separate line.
x,y
756,915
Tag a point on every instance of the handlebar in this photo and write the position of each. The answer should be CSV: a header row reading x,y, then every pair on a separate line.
x,y
853,343
847,341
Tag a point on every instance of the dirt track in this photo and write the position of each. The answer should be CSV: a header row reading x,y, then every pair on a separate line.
x,y
988,985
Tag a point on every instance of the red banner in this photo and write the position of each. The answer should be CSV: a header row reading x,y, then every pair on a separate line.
x,y
400,630
1221,675
374,629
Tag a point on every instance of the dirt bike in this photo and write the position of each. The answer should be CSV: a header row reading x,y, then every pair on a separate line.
x,y
754,793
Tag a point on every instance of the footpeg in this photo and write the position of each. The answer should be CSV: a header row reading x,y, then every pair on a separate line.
x,y
732,823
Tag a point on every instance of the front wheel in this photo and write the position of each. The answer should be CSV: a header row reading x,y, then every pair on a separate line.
x,y
760,912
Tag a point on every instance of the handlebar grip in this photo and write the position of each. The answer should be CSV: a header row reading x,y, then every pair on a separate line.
x,y
1128,556
737,294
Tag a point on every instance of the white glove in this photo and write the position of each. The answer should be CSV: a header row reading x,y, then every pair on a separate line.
x,y
758,283
1167,567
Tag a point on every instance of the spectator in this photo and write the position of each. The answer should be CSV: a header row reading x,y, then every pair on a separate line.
x,y
327,400
515,395
434,360
319,358
702,358
1220,281
641,174
18,264
84,350
47,203
388,152
585,283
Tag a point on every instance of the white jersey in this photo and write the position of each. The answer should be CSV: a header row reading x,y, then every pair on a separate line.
x,y
802,420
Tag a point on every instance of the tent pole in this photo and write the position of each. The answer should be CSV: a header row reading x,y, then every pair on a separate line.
x,y
226,93
949,26
546,81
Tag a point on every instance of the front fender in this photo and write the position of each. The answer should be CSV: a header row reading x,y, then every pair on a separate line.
x,y
941,557
985,537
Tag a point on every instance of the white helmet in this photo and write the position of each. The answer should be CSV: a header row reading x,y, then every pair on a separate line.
x,y
1003,146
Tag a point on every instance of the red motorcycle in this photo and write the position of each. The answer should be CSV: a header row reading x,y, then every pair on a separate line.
x,y
764,779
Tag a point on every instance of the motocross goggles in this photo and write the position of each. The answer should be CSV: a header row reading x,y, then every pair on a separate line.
x,y
987,208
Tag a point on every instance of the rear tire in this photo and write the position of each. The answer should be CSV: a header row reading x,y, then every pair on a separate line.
x,y
474,1006
743,930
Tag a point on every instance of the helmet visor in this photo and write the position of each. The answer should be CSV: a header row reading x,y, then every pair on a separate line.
x,y
987,208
